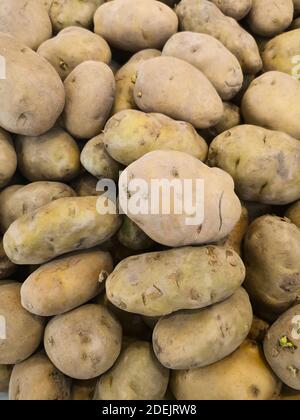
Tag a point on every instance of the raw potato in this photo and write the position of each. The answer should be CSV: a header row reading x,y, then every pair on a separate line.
x,y
126,78
8,158
83,343
235,9
245,376
210,56
26,20
258,330
23,330
38,379
264,164
159,283
134,25
29,198
222,208
71,47
173,87
83,390
28,79
270,17
193,339
272,259
131,236
282,347
130,134
293,213
54,156
137,375
5,373
272,101
7,268
86,185
204,17
90,91
65,225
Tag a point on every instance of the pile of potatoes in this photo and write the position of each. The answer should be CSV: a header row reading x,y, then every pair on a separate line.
x,y
111,306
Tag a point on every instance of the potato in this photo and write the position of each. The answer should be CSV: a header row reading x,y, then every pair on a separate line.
x,y
54,156
245,376
50,289
293,213
131,236
272,101
65,225
281,347
258,330
83,390
193,339
210,56
270,17
29,198
7,267
130,134
37,379
137,375
64,13
159,283
203,16
126,78
172,226
83,343
134,25
71,47
8,158
272,259
235,9
264,164
28,78
23,330
5,373
173,87
86,185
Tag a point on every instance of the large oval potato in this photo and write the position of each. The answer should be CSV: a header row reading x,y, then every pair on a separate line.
x,y
204,16
173,87
71,47
264,164
22,330
5,373
83,343
7,267
235,9
90,91
137,375
193,339
8,158
130,134
132,25
159,283
38,379
210,56
282,347
293,213
65,225
198,191
28,78
66,283
245,376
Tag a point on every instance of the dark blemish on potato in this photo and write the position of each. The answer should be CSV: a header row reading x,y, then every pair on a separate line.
x,y
122,305
80,243
175,172
110,380
220,211
171,78
263,187
255,391
142,142
273,83
237,162
135,388
288,284
22,119
222,331
229,253
194,295
144,299
63,65
158,289
23,50
264,139
51,341
228,134
84,356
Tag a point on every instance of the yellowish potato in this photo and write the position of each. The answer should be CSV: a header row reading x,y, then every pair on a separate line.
x,y
8,158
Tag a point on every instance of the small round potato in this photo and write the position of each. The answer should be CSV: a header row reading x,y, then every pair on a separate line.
x,y
83,343
131,236
5,373
293,213
235,9
8,158
7,268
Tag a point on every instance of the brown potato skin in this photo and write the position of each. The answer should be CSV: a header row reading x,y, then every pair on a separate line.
x,y
8,158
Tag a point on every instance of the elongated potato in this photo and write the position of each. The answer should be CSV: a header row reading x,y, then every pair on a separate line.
x,y
203,16
137,375
5,373
8,158
65,225
83,343
293,213
130,134
7,268
235,9
173,87
159,283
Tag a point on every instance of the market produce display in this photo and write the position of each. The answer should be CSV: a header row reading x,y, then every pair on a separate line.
x,y
150,200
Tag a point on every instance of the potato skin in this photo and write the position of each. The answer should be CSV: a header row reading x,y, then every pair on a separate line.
x,y
7,267
131,25
173,87
272,259
210,56
131,236
130,134
5,373
83,343
24,331
8,158
293,213
193,339
65,225
28,78
137,375
245,376
167,281
38,379
236,10
282,347
258,330
231,118
264,164
203,16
